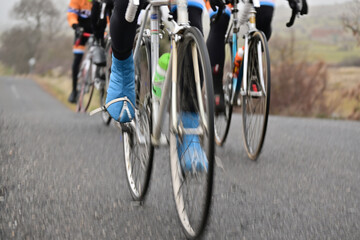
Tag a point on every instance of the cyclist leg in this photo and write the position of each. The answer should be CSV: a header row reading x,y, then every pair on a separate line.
x,y
98,26
216,49
78,51
264,16
122,78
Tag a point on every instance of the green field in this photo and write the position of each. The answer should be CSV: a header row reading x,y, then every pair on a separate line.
x,y
319,36
330,53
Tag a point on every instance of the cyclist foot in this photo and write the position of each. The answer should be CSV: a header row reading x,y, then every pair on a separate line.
x,y
255,87
191,155
217,75
219,104
73,97
121,91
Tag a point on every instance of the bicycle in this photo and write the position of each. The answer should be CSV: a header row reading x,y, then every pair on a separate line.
x,y
92,77
251,83
252,80
187,79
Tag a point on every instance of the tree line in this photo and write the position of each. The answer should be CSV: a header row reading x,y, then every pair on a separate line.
x,y
39,34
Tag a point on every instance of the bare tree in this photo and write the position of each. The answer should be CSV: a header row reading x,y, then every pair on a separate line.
x,y
351,20
17,48
35,12
297,86
36,36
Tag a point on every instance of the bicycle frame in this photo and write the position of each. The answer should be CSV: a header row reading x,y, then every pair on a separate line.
x,y
161,14
87,62
248,16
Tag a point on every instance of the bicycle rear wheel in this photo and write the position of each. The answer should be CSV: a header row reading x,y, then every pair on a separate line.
x,y
103,91
192,137
223,120
86,87
138,150
256,101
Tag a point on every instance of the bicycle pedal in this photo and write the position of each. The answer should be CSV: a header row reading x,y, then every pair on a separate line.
x,y
128,126
255,94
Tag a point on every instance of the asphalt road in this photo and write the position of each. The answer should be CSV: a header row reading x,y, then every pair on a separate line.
x,y
62,177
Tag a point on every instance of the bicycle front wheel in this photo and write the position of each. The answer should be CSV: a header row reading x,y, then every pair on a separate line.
x,y
192,133
138,150
103,91
256,99
86,88
223,120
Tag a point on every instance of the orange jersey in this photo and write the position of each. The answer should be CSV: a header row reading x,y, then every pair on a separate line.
x,y
78,9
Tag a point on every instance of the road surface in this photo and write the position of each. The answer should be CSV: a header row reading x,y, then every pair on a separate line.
x,y
62,177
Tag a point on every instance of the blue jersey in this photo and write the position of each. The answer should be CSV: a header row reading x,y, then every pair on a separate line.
x,y
267,3
192,3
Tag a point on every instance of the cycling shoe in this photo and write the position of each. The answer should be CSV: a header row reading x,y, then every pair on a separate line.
x,y
121,92
191,155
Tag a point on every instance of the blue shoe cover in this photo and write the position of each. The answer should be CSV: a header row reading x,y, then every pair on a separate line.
x,y
122,84
191,155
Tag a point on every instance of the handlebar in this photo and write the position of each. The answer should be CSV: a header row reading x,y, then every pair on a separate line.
x,y
298,7
292,18
131,10
83,34
102,13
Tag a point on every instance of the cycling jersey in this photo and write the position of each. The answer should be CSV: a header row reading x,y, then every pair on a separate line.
x,y
212,12
78,10
192,3
227,11
267,3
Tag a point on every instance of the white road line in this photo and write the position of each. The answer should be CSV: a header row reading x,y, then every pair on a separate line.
x,y
15,92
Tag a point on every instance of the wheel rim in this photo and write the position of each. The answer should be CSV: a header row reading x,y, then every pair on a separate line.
x,y
222,121
255,108
192,188
138,151
86,90
104,114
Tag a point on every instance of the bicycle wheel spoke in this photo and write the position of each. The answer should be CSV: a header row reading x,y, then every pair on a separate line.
x,y
223,120
192,152
256,107
138,155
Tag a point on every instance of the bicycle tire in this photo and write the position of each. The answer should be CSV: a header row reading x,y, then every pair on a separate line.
x,y
186,205
222,121
86,88
106,118
139,156
254,134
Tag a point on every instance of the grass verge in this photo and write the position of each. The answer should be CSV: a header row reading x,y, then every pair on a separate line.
x,y
58,87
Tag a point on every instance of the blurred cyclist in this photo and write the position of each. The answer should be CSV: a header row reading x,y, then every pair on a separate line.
x,y
215,41
99,24
78,17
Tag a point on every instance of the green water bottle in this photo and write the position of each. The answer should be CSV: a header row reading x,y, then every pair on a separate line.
x,y
160,75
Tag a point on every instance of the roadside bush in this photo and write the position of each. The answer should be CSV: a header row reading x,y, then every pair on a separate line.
x,y
18,46
39,35
298,86
350,62
354,94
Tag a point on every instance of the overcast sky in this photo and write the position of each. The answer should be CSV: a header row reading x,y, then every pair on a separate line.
x,y
6,5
